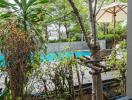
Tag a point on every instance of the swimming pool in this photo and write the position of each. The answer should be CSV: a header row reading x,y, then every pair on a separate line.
x,y
56,56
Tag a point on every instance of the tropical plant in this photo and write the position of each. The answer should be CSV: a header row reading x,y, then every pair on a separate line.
x,y
118,61
18,41
108,36
22,11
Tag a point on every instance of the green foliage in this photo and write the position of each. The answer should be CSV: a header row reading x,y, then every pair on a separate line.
x,y
23,4
108,36
110,1
4,4
36,60
16,46
123,44
71,39
6,94
106,31
62,78
118,61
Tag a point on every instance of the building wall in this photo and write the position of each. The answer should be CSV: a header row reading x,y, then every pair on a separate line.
x,y
129,61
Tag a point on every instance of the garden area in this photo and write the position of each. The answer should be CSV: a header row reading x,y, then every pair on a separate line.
x,y
63,49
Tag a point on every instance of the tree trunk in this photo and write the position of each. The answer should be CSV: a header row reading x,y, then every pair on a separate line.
x,y
16,82
92,22
59,32
46,34
97,82
25,22
76,12
65,24
67,33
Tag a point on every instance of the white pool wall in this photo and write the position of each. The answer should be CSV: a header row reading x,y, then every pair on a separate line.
x,y
72,46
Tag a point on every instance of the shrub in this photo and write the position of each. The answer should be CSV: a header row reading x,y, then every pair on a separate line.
x,y
108,36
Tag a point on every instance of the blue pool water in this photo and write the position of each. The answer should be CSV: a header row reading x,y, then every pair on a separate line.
x,y
62,55
2,60
54,56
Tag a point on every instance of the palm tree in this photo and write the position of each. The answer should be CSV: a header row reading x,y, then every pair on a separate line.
x,y
21,8
17,71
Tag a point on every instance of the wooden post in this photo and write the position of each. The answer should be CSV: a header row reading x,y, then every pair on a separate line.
x,y
94,87
99,90
79,81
